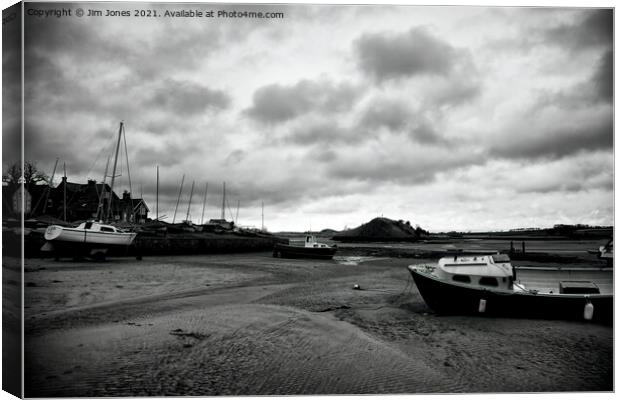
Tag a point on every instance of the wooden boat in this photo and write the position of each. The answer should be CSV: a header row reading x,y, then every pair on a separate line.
x,y
90,232
488,285
310,249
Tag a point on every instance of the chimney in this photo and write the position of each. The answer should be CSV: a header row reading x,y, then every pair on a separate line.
x,y
126,195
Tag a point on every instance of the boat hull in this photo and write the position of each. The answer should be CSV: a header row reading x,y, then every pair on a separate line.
x,y
56,234
288,251
446,298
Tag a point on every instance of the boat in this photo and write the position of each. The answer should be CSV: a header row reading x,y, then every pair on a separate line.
x,y
90,232
310,249
489,285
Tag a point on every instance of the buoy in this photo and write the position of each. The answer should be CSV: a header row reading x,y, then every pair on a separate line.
x,y
588,311
356,287
482,306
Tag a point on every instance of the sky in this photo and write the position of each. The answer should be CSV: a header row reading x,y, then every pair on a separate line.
x,y
452,118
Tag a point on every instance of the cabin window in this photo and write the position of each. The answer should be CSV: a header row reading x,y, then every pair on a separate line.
x,y
461,278
106,229
488,281
88,225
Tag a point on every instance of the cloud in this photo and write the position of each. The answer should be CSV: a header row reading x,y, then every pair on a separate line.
x,y
551,137
187,98
276,103
603,79
321,132
385,56
396,117
592,28
596,90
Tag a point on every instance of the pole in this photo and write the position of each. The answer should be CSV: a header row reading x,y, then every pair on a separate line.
x,y
178,199
157,196
189,205
49,187
204,202
127,158
237,214
223,217
64,194
118,144
262,216
102,194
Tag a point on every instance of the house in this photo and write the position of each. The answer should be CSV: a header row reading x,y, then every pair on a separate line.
x,y
74,202
133,210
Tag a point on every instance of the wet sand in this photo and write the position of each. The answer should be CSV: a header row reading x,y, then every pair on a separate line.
x,y
253,325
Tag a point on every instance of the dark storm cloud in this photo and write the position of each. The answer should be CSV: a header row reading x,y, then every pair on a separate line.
x,y
593,28
187,98
389,56
555,142
277,103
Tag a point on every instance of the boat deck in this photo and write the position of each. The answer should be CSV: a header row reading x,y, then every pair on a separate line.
x,y
547,279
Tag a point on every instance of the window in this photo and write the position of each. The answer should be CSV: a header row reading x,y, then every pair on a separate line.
x,y
488,281
461,278
106,229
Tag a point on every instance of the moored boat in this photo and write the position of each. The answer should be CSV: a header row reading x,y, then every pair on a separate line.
x,y
310,249
488,285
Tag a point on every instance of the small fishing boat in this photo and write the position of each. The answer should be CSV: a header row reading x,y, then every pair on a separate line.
x,y
310,249
488,285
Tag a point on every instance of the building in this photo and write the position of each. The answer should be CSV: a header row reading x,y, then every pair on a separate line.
x,y
76,202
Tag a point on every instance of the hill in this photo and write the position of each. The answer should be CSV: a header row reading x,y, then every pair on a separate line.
x,y
381,230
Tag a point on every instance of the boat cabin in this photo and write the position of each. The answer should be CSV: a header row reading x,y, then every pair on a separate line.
x,y
492,271
311,242
97,227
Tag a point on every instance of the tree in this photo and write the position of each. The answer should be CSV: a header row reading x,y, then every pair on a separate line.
x,y
32,175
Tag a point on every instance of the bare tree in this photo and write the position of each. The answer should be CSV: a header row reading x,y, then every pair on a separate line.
x,y
31,176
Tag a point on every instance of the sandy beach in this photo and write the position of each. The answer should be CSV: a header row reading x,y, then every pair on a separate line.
x,y
250,324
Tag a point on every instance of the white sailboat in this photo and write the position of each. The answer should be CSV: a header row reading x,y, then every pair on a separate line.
x,y
93,233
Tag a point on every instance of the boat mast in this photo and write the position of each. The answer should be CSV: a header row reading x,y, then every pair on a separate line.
x,y
224,202
189,205
178,199
157,196
262,216
102,194
47,192
64,193
204,202
237,214
118,145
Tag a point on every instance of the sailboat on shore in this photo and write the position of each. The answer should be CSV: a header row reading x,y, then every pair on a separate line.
x,y
91,235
